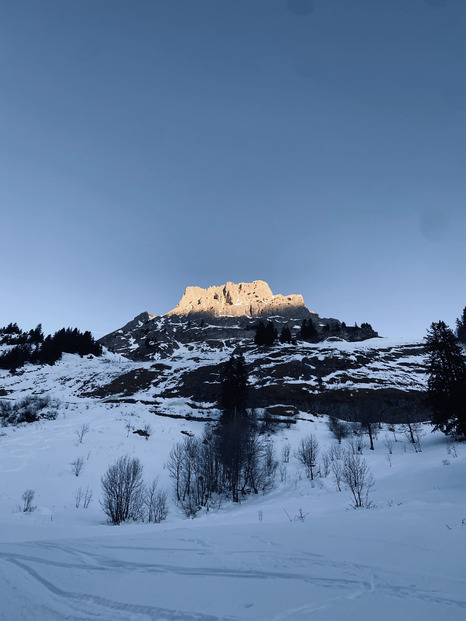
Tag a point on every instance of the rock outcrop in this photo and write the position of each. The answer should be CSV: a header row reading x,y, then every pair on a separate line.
x,y
250,299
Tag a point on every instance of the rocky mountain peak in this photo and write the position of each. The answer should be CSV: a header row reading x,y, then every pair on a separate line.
x,y
250,299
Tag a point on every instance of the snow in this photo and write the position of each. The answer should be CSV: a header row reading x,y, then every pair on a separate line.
x,y
404,558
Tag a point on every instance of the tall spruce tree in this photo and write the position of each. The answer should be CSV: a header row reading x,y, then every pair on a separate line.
x,y
266,333
234,386
461,327
446,386
309,331
285,335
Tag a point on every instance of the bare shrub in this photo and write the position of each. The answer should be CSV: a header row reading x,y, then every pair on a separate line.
x,y
338,428
358,477
300,516
156,503
78,497
335,451
29,409
81,432
83,494
325,465
286,453
414,433
77,466
27,498
123,490
355,445
87,497
337,471
307,453
388,444
283,473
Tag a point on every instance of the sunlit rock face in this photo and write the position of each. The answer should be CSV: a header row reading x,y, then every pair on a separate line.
x,y
250,299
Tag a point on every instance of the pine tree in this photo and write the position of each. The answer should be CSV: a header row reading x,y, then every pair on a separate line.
x,y
285,335
309,331
266,333
446,386
461,327
234,386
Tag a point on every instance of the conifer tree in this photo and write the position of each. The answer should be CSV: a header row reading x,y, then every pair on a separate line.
x,y
234,386
266,333
285,335
461,327
446,386
309,331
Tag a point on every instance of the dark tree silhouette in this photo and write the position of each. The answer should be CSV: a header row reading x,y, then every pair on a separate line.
x,y
461,327
234,386
308,331
285,335
266,333
446,386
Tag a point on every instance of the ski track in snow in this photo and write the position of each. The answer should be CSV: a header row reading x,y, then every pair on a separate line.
x,y
43,569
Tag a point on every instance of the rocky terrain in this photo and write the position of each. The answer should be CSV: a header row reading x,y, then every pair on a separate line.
x,y
178,360
246,299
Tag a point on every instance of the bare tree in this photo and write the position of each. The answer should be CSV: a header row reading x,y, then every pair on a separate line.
x,y
81,432
78,497
325,464
414,432
77,466
83,494
307,453
358,477
87,497
286,453
156,503
337,471
388,444
123,490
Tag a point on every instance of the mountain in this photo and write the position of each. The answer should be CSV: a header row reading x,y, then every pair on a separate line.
x,y
349,372
296,552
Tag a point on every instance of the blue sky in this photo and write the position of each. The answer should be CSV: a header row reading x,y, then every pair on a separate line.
x,y
150,145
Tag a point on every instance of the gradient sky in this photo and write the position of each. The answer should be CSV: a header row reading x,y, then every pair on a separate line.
x,y
148,145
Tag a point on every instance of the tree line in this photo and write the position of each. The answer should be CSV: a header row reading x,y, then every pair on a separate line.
x,y
267,334
35,348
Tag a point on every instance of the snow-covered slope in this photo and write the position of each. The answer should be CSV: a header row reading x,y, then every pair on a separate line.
x,y
299,553
258,560
328,377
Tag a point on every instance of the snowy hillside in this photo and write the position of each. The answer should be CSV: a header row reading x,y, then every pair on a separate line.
x,y
298,553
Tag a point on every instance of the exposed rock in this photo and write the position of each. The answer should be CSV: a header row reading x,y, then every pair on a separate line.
x,y
250,299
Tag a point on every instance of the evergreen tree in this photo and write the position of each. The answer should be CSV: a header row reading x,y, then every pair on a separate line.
x,y
234,386
266,333
285,335
16,357
36,336
461,327
446,386
309,331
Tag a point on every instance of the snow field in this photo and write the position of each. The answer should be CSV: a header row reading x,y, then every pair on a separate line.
x,y
402,559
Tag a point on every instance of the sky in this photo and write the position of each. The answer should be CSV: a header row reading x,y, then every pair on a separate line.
x,y
149,145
